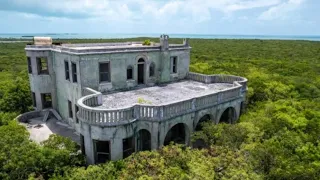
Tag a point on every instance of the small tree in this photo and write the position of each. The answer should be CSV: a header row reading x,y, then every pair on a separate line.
x,y
146,42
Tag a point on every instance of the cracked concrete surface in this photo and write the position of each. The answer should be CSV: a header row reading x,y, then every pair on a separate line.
x,y
40,131
162,94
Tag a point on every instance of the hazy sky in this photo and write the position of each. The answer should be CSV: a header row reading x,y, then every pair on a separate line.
x,y
265,17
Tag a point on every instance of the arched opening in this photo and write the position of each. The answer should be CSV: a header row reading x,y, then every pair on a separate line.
x,y
205,118
129,72
151,69
242,108
199,143
176,134
143,140
228,116
141,71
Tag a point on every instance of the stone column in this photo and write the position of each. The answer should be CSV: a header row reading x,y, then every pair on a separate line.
x,y
116,149
154,136
88,143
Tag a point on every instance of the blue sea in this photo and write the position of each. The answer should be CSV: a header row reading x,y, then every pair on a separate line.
x,y
199,36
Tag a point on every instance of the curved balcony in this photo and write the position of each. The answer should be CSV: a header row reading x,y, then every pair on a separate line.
x,y
92,112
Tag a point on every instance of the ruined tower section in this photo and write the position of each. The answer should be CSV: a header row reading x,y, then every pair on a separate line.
x,y
41,74
164,58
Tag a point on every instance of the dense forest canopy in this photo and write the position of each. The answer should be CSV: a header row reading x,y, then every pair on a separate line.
x,y
278,137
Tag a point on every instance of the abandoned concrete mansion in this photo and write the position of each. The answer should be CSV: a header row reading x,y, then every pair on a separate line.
x,y
127,97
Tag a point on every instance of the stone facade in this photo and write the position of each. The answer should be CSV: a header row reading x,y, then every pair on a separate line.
x,y
74,78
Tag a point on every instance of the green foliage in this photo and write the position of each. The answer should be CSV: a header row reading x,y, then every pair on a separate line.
x,y
20,158
143,101
277,137
146,42
5,118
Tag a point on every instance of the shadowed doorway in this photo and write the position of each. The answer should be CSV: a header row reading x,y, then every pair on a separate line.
x,y
141,71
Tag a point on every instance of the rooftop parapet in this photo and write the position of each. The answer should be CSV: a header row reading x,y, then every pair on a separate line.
x,y
91,112
45,43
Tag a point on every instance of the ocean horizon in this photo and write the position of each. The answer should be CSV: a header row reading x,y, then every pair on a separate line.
x,y
154,35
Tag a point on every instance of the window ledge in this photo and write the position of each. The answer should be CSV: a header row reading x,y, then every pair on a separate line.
x,y
131,80
105,83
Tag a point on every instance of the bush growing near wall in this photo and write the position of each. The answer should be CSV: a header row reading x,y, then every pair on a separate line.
x,y
277,137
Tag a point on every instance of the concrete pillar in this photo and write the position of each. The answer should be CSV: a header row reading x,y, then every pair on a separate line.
x,y
116,149
155,136
88,143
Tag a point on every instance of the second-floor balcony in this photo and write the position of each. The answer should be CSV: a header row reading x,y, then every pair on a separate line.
x,y
159,102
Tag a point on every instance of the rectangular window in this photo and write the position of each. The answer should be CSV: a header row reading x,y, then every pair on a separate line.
x,y
128,146
103,151
66,70
70,109
34,102
46,100
104,70
174,60
76,109
74,72
42,63
129,73
29,65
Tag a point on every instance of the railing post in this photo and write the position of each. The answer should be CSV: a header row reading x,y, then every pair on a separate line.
x,y
193,104
136,112
207,79
161,112
99,99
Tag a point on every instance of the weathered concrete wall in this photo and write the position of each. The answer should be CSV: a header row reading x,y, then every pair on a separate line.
x,y
42,83
89,67
157,129
67,89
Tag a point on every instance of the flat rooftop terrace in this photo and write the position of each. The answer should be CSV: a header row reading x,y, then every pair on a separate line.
x,y
161,94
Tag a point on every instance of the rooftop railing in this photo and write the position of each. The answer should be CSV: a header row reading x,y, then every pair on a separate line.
x,y
91,114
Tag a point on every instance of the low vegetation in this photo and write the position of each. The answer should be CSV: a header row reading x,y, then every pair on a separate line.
x,y
278,137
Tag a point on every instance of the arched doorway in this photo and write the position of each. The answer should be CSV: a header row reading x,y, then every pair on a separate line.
x,y
228,116
177,134
143,140
199,143
205,118
141,63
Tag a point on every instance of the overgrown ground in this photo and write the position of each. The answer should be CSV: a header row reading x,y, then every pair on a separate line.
x,y
277,138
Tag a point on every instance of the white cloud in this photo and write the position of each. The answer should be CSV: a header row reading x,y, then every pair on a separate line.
x,y
281,11
196,11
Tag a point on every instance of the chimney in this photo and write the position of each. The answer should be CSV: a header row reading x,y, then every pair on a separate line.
x,y
164,42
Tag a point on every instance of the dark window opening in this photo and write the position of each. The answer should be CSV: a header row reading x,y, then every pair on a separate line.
x,y
104,70
128,146
42,65
151,70
67,70
76,111
34,102
82,146
144,140
174,64
74,72
29,65
129,72
46,100
70,109
102,151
